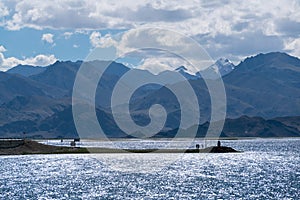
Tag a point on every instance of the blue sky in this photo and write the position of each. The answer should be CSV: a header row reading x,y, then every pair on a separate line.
x,y
28,42
41,32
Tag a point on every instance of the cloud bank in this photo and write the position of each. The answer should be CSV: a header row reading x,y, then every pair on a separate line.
x,y
38,60
228,28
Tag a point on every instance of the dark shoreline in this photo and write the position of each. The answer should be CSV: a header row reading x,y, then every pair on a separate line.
x,y
25,147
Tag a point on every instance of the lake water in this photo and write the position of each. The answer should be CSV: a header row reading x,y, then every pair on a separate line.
x,y
268,169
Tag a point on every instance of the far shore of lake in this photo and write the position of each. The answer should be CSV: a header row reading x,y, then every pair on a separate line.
x,y
24,147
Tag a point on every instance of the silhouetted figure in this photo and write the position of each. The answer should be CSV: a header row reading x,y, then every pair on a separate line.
x,y
197,146
219,143
73,143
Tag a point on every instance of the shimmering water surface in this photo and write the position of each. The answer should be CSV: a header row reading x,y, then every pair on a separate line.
x,y
268,169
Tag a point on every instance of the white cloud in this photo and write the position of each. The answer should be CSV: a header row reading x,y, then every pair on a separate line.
x,y
199,17
48,37
75,46
38,60
3,10
293,46
212,19
166,42
150,38
156,65
2,49
67,35
237,46
1,59
101,41
59,14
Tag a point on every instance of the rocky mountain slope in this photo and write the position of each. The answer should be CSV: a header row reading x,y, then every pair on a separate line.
x,y
265,87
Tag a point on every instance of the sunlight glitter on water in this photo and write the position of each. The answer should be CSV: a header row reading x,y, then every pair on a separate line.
x,y
268,169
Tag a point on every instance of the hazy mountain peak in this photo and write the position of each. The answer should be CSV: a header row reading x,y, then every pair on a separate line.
x,y
186,73
224,61
181,68
224,66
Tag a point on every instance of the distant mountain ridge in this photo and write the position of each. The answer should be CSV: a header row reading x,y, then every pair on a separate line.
x,y
222,66
26,70
266,86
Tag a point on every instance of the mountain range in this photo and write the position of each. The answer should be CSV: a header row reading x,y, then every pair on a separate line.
x,y
263,98
222,66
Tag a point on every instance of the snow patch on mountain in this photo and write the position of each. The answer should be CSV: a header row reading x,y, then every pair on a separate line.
x,y
186,73
224,66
